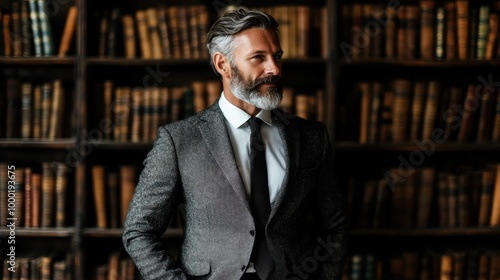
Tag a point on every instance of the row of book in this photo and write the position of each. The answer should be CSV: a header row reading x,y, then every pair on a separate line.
x,y
27,30
41,197
118,267
32,110
404,110
46,267
112,191
451,264
155,33
444,30
428,198
136,113
180,31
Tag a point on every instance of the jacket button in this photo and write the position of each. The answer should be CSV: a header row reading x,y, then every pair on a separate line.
x,y
252,232
243,268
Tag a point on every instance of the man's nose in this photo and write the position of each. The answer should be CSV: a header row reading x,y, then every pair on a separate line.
x,y
273,67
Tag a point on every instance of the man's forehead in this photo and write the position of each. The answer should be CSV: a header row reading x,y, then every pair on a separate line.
x,y
254,39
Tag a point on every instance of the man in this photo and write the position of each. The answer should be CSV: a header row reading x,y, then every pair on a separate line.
x,y
247,192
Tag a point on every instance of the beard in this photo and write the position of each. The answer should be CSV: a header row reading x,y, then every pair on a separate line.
x,y
249,92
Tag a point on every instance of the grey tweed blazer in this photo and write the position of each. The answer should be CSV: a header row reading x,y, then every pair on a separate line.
x,y
192,163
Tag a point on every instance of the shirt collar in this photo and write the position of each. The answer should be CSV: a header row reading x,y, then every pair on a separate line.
x,y
237,117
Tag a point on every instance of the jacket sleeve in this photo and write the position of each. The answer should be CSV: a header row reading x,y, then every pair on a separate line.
x,y
154,202
330,217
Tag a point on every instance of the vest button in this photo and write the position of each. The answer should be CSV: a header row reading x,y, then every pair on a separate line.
x,y
252,232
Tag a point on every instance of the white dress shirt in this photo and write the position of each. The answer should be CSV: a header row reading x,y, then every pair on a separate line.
x,y
239,135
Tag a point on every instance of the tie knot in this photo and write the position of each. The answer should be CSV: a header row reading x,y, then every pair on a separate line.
x,y
254,124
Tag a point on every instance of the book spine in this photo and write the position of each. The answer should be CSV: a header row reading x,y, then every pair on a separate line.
x,y
482,34
440,33
135,135
164,32
431,107
60,192
451,30
495,207
111,36
142,27
37,112
46,109
69,31
152,23
462,12
47,205
426,29
16,34
28,193
45,28
496,122
36,181
129,36
98,187
55,109
492,36
6,35
26,110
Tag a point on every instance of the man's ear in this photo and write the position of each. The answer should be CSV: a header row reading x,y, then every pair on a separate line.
x,y
221,64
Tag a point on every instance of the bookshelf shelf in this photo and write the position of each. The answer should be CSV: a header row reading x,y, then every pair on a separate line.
x,y
41,232
418,63
42,144
428,232
38,60
409,147
117,232
194,61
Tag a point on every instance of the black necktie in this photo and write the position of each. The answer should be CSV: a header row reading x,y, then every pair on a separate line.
x,y
259,199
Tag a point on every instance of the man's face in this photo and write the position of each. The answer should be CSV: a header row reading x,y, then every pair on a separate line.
x,y
256,69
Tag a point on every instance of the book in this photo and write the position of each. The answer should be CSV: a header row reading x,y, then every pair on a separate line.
x,y
98,188
7,51
47,194
26,109
28,197
127,187
56,110
112,32
441,40
495,204
60,195
142,29
470,102
430,111
16,29
36,198
400,109
164,32
492,36
46,102
112,195
482,34
462,18
69,31
451,30
426,29
129,36
45,28
152,27
419,99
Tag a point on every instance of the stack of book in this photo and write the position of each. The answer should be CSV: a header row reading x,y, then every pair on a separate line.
x,y
118,267
41,195
449,264
45,267
27,30
428,197
444,30
405,110
32,111
155,33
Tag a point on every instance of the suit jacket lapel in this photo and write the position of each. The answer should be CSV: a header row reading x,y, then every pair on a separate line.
x,y
214,132
291,139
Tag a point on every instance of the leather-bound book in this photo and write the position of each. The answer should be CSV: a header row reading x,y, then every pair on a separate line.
x,y
446,272
486,194
366,99
16,30
28,195
486,110
99,191
108,106
103,34
463,200
47,206
482,34
176,104
417,108
112,202
46,263
464,134
380,208
303,30
194,37
452,119
46,109
495,205
60,191
69,31
56,110
46,33
357,19
387,117
451,30
142,29
401,30
135,135
412,16
146,114
203,25
113,266
443,199
26,109
164,32
367,204
6,19
375,111
19,191
431,108
302,105
401,89
3,192
496,119
390,34
458,265
427,29
127,187
184,32
36,199
154,35
452,182
287,101
424,197
173,16
26,34
492,36
484,267
462,9
441,31
129,36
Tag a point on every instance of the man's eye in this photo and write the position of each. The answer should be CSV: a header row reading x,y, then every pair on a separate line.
x,y
277,57
258,57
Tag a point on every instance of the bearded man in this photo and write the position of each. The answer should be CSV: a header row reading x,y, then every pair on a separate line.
x,y
248,175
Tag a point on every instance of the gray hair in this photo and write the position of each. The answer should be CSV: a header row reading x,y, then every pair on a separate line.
x,y
220,37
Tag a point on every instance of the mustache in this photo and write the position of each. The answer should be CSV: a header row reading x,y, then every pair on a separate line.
x,y
267,80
